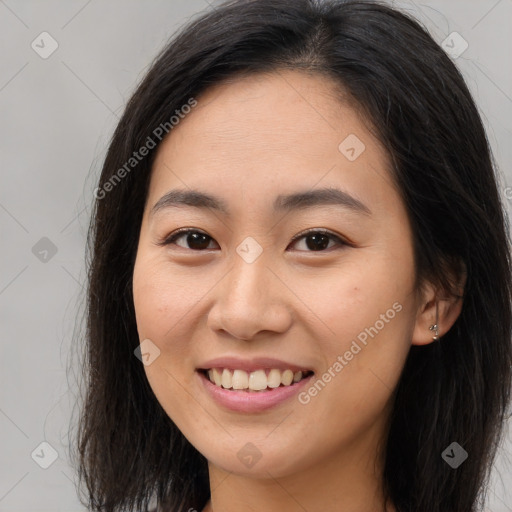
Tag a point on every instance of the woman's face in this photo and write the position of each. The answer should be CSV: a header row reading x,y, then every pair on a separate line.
x,y
249,290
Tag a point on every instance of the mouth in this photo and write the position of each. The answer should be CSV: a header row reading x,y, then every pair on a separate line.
x,y
252,392
251,385
257,381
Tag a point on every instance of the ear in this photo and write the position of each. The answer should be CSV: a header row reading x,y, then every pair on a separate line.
x,y
449,304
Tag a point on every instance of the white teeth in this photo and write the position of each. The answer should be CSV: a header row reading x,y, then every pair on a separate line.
x,y
240,380
217,377
274,378
227,380
257,380
287,378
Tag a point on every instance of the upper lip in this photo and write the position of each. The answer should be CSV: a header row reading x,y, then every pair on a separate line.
x,y
250,365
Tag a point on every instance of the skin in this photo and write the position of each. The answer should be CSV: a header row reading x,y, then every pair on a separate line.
x,y
247,141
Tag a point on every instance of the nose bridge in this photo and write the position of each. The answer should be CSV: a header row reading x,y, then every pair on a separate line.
x,y
249,299
244,284
248,272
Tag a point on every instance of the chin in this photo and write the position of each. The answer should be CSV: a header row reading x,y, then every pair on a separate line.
x,y
255,456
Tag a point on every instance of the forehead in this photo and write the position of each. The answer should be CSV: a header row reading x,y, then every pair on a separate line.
x,y
280,108
261,134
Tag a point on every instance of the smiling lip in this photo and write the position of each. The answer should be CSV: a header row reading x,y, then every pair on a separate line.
x,y
251,365
251,401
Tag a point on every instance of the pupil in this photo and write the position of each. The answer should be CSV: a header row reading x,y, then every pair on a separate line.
x,y
320,241
197,240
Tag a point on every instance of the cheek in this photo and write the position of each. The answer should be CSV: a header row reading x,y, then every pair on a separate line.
x,y
164,300
367,318
363,291
162,308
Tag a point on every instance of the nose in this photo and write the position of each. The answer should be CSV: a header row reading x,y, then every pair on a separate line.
x,y
250,299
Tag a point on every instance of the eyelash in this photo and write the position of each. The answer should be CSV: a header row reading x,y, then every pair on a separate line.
x,y
183,231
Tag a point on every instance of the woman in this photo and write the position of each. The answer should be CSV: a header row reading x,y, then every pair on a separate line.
x,y
299,293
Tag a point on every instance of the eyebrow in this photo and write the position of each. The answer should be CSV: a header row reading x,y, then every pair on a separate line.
x,y
296,201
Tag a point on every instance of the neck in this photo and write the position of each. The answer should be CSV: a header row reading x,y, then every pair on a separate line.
x,y
349,479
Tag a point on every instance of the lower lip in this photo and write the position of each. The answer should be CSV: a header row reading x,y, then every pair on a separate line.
x,y
255,401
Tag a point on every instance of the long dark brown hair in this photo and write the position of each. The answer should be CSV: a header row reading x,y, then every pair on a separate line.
x,y
455,390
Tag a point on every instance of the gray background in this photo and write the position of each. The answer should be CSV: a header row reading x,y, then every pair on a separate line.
x,y
57,115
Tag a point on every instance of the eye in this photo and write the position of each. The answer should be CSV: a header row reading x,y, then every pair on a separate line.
x,y
196,240
317,240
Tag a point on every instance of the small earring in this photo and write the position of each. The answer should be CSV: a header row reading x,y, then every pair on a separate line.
x,y
435,327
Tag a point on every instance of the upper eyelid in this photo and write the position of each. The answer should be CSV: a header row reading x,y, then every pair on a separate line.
x,y
317,230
